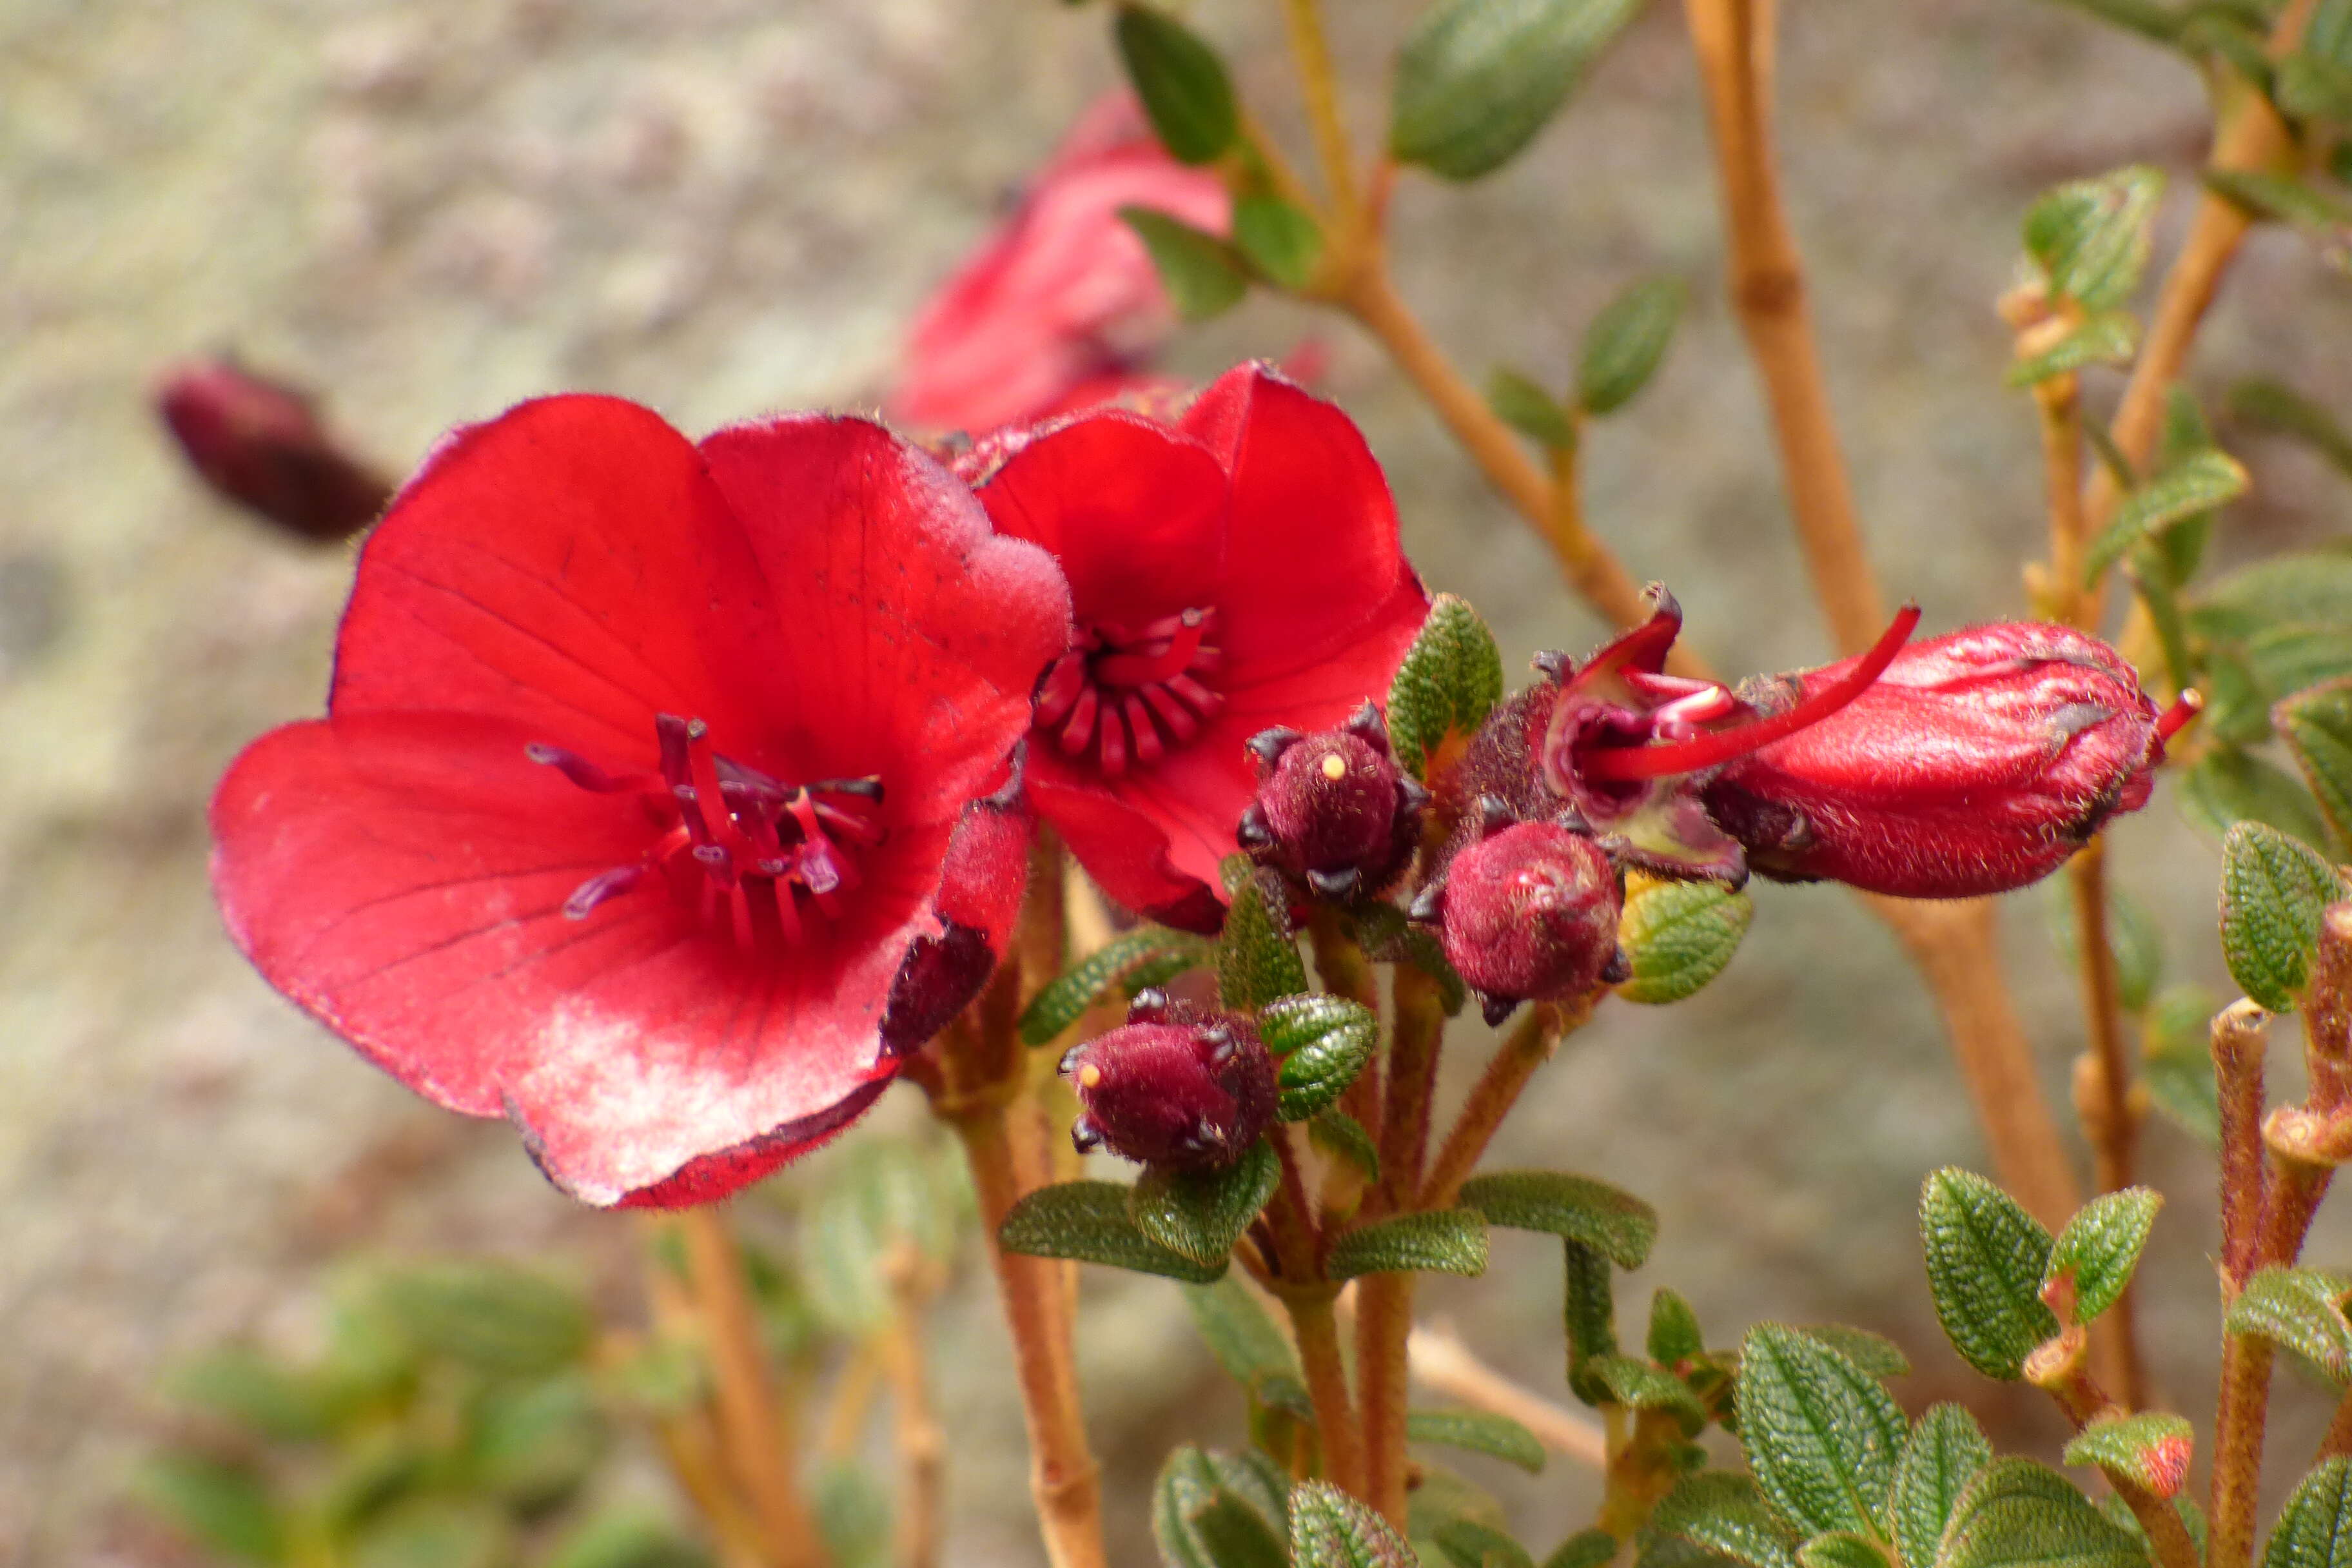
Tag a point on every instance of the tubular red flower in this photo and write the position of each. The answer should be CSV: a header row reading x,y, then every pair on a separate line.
x,y
1057,310
1236,572
654,808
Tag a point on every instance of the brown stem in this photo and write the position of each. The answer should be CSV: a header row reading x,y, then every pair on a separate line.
x,y
689,1439
1319,85
2106,1107
2238,1423
1527,1047
1734,40
920,1440
1418,1035
2060,402
2337,1441
1340,964
1317,1329
759,1450
2239,1035
1383,1325
2085,1402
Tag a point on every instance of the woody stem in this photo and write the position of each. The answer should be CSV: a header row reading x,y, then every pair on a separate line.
x,y
1319,85
2103,1098
1308,1300
1527,1047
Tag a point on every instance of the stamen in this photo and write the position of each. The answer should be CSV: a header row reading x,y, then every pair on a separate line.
x,y
581,771
1144,663
1627,764
1129,696
2185,707
597,889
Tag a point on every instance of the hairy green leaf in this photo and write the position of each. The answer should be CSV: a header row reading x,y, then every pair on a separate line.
x,y
1448,681
2313,87
1842,1549
2282,198
2133,939
2310,587
2110,337
627,1536
223,1506
1874,1353
1337,1132
2100,1248
1638,1385
1328,1529
251,1390
1241,1333
1725,1514
1202,273
2315,1529
2016,1513
1590,1315
1480,1432
2150,1449
2177,1059
1088,1221
1821,1435
1523,405
1257,957
1181,81
1193,1504
1674,1336
1585,1549
492,1316
1946,1448
2300,1309
1279,238
1679,936
1477,79
1201,1214
2317,727
2090,237
1627,341
1322,1042
2273,891
1065,999
2196,484
1444,1241
1619,1225
2274,406
1466,1544
1985,1262
2227,786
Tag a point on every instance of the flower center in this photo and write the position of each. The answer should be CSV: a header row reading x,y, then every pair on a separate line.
x,y
749,853
1129,697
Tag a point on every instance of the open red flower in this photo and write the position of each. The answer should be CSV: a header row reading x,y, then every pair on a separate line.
x,y
1059,310
1232,573
649,807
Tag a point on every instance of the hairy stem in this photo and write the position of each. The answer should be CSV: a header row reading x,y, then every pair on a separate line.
x,y
1340,964
1527,1047
1383,1325
2105,1102
2337,1441
1319,84
2239,1037
1317,1329
1418,1035
2238,1422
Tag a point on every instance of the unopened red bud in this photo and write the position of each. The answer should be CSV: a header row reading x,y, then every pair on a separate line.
x,y
1977,763
260,444
1173,1087
1332,808
1530,914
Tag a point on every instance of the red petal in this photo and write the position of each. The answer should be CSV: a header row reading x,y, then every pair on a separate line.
x,y
1134,512
1125,849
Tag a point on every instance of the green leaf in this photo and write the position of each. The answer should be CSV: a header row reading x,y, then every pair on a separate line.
x,y
253,1392
2196,484
2227,786
1477,79
1585,1549
2279,408
2090,237
1198,1488
1202,273
2017,1514
1444,1241
2282,198
2273,890
1442,1498
2288,659
1590,1316
1626,343
1675,1335
1618,1225
224,1507
1527,408
1448,681
1638,1385
1337,1132
1874,1353
625,1537
1182,82
1257,957
2300,1309
2314,87
2177,1059
1842,1549
435,1532
1985,1260
1279,238
1237,1536
1479,1432
2315,1529
1821,1436
1065,999
1088,1221
1679,936
1240,1333
2100,1248
1323,1042
1946,1448
491,1316
1199,1215
2150,1449
853,1513
2310,587
1725,1514
2132,937
2317,726
881,1196
2110,337
1466,1544
533,1443
1328,1529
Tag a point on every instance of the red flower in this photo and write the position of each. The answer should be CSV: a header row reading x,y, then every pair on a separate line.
x,y
647,811
259,443
1056,310
1232,572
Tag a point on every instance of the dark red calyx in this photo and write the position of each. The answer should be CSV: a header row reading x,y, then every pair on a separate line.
x,y
1528,913
748,854
1173,1085
260,444
1126,696
1332,808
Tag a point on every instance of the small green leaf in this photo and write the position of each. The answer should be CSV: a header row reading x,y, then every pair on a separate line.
x,y
2017,1514
2110,337
1466,1544
225,1506
533,1443
1181,81
1638,1385
2317,726
1323,1042
2273,891
250,1390
1448,681
2132,937
1237,1536
1192,1502
1240,1333
1328,1529
2196,484
1674,1336
2177,1059
1065,999
2315,1529
1841,1549
2227,786
491,1316
1279,238
1477,79
1821,1436
2300,1309
1527,408
1444,1241
2282,198
625,1537
1444,1497
2274,406
1619,1225
2100,1248
2090,237
1585,1549
2313,87
1874,1353
1679,936
2308,589
1203,274
1088,1221
1726,1515
2150,1449
1946,1448
1497,1435
435,1532
1337,1132
1985,1261
1257,958
1626,343
1201,1214
1590,1316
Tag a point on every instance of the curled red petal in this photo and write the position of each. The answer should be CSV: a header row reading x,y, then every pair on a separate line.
x,y
1627,764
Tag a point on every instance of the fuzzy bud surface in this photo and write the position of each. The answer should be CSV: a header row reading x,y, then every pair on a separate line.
x,y
1172,1087
1333,809
1529,913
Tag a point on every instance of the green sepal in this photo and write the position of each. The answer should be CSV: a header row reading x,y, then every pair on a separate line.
x,y
2100,1248
1621,1226
2274,889
1199,1215
1678,936
1088,1221
1449,680
1442,1241
1497,1437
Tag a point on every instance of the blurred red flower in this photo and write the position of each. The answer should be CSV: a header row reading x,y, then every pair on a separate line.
x,y
260,443
649,810
1233,571
1058,309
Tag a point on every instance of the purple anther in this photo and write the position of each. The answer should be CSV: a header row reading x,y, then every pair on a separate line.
x,y
597,889
715,860
579,770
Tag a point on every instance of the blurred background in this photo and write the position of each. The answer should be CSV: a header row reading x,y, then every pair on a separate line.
x,y
429,210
